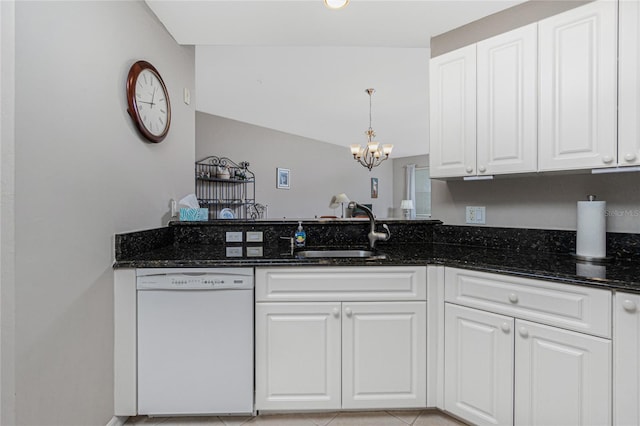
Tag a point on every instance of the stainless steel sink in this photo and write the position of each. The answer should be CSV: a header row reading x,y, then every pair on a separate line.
x,y
307,254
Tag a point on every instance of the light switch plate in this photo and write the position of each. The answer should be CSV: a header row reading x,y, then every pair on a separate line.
x,y
476,215
234,237
254,251
254,236
234,251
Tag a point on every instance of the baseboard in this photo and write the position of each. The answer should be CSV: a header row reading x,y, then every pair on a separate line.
x,y
117,421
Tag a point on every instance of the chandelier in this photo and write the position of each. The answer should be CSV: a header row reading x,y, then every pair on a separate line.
x,y
336,4
372,154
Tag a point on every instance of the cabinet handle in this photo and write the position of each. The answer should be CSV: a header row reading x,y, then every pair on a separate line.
x,y
336,312
506,327
523,332
629,305
607,159
348,312
482,169
630,157
469,169
513,298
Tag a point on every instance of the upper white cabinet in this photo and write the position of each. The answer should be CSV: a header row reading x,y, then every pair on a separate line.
x,y
629,84
507,102
453,113
578,54
484,106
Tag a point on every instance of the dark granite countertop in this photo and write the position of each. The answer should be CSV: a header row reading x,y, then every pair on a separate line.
x,y
623,274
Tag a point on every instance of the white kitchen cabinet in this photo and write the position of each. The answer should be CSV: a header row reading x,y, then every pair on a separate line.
x,y
577,127
629,84
298,353
452,85
484,107
495,354
331,338
478,363
626,357
561,377
383,354
507,102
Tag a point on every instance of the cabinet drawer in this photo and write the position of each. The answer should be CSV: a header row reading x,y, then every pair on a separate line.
x,y
341,284
578,308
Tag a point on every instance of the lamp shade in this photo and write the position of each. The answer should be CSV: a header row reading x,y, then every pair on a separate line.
x,y
342,198
407,205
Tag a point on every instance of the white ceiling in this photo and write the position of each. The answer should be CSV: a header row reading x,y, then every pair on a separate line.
x,y
298,67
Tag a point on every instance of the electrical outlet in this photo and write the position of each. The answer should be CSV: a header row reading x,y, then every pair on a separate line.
x,y
234,251
254,236
476,215
234,237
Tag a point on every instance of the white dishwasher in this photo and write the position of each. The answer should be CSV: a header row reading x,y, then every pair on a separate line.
x,y
195,341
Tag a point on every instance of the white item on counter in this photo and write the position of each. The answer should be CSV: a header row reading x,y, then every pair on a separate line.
x,y
591,235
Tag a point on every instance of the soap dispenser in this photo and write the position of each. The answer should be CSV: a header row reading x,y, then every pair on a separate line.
x,y
300,236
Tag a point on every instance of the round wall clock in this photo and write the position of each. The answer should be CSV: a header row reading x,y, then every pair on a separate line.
x,y
148,101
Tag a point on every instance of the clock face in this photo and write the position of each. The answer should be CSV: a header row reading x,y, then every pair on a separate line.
x,y
148,100
151,102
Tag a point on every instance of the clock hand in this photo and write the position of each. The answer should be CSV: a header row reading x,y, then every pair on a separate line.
x,y
153,97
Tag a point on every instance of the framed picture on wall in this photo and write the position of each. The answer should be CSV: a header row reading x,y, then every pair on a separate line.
x,y
374,187
283,178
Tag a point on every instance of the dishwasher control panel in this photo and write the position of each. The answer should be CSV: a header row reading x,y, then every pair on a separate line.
x,y
196,280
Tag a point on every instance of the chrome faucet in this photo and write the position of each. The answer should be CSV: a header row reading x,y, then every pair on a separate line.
x,y
373,235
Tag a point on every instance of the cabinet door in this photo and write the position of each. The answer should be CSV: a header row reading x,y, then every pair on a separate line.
x,y
626,355
561,377
508,102
478,365
629,84
297,356
453,113
577,123
384,355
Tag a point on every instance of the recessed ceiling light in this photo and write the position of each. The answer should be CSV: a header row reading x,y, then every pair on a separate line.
x,y
336,4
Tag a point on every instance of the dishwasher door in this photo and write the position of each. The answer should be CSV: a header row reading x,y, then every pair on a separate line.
x,y
195,351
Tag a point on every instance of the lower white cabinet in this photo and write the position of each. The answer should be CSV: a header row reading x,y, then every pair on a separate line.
x,y
298,356
626,355
478,363
318,354
503,370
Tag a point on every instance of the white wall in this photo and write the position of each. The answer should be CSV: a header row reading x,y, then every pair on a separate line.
x,y
318,169
82,175
7,228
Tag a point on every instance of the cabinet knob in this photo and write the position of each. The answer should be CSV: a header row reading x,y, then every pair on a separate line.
x,y
348,312
523,332
336,312
629,305
607,159
482,169
469,169
506,327
513,298
630,157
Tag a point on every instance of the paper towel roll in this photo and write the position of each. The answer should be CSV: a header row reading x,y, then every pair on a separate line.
x,y
591,236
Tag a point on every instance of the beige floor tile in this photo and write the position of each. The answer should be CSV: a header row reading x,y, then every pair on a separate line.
x,y
281,420
436,418
378,418
234,420
192,421
144,420
407,416
321,419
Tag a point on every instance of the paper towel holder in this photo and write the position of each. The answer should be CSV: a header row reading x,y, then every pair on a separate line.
x,y
591,259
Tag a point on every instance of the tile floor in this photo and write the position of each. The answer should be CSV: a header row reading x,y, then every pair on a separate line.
x,y
360,418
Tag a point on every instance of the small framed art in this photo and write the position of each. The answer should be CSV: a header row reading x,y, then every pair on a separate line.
x,y
283,178
374,187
